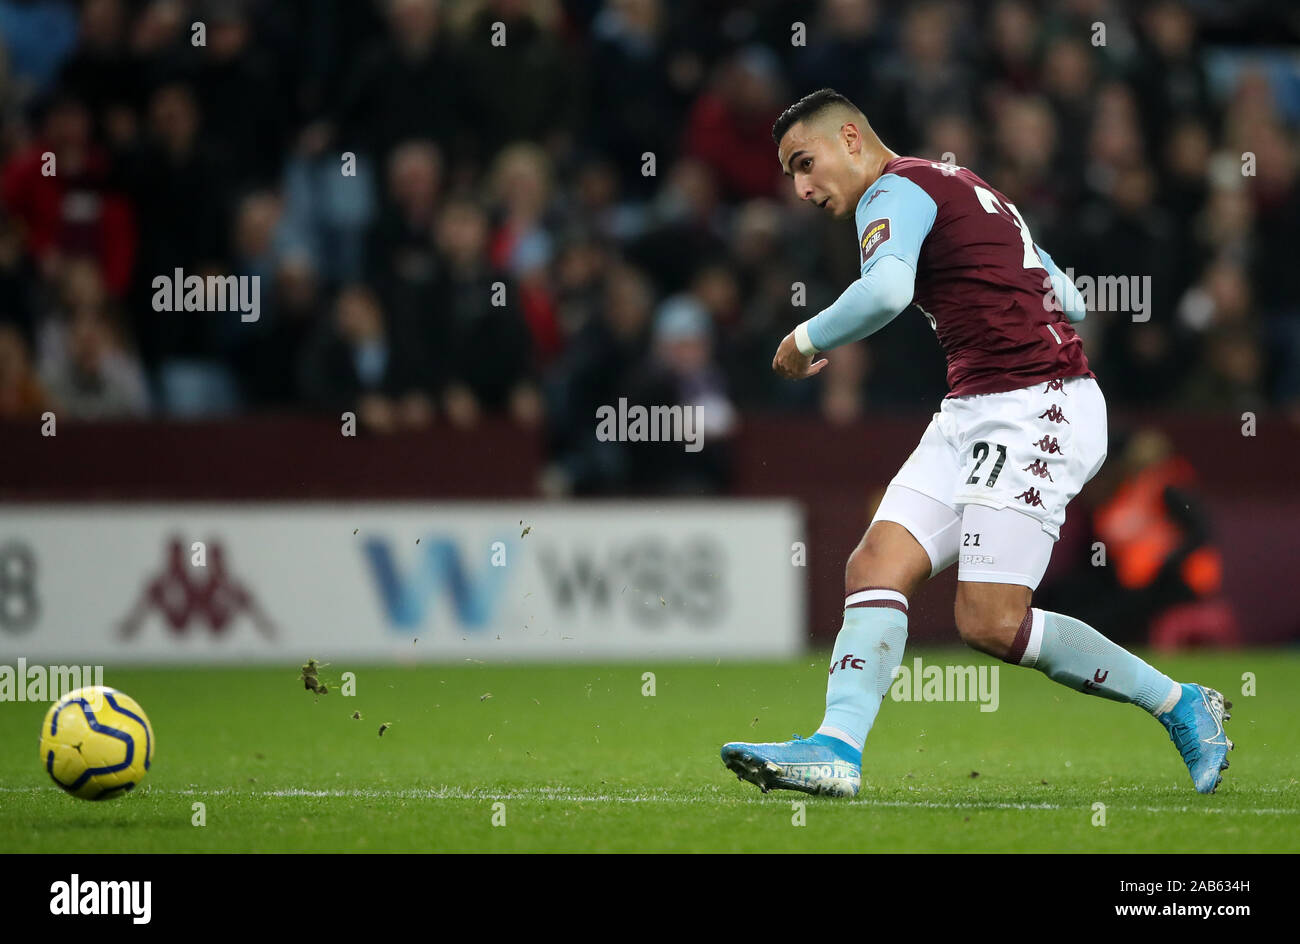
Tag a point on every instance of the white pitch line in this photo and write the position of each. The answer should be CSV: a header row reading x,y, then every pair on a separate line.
x,y
561,794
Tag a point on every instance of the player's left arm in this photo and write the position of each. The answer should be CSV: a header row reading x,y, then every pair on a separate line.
x,y
1072,303
891,227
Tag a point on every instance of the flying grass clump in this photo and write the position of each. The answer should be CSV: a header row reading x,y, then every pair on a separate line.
x,y
311,680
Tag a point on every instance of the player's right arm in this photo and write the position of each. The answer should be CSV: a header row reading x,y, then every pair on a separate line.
x,y
892,224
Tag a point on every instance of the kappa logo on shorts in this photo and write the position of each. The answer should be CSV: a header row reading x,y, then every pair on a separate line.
x,y
1039,468
1032,497
877,232
1057,384
1054,414
1049,444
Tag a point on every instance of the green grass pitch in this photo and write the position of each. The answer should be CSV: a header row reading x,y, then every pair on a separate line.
x,y
583,761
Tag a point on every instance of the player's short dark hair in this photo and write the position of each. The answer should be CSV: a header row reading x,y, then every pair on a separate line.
x,y
808,106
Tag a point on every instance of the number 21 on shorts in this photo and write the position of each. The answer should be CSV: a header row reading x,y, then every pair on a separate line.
x,y
981,452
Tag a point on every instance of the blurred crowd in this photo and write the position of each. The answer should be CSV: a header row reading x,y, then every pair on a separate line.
x,y
452,219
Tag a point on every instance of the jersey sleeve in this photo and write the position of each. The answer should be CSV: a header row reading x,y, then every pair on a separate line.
x,y
893,221
1072,303
866,306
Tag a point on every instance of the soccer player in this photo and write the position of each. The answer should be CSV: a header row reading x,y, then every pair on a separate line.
x,y
1021,430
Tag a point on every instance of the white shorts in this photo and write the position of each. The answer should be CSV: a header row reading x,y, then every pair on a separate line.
x,y
990,479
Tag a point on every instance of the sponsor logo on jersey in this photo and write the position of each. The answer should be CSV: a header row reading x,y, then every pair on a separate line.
x,y
874,195
877,232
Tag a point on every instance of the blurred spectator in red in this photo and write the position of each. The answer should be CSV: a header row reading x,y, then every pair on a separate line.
x,y
730,126
60,187
523,194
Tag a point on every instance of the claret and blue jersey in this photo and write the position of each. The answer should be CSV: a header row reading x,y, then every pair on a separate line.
x,y
937,236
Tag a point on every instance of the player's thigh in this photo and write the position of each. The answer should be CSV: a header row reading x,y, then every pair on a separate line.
x,y
1003,556
919,504
1002,546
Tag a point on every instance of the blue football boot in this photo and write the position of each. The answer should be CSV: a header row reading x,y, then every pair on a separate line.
x,y
819,765
1195,725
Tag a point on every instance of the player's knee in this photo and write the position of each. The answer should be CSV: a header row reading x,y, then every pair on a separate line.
x,y
875,563
989,625
861,564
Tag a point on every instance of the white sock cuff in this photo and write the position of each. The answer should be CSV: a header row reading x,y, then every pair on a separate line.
x,y
844,736
876,596
1035,644
1175,693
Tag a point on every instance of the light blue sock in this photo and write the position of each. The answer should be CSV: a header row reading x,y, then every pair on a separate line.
x,y
1071,652
867,651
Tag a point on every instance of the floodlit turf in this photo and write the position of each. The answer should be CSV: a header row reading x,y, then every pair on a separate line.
x,y
583,761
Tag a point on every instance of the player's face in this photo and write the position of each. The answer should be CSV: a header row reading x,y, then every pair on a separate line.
x,y
820,169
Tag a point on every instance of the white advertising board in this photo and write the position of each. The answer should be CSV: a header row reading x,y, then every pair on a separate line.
x,y
395,581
